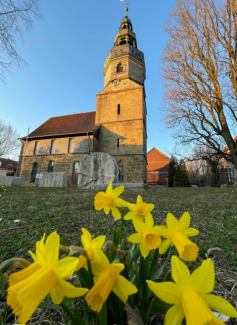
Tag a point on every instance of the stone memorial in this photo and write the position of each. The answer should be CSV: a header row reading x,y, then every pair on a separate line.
x,y
54,180
10,181
97,168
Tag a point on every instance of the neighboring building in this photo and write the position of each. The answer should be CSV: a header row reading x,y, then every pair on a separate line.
x,y
157,168
117,127
8,167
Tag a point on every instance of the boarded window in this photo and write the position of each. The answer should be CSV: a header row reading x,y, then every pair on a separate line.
x,y
50,167
36,148
71,145
52,147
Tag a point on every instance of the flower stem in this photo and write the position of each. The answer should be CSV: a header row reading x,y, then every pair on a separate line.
x,y
121,227
90,273
69,314
150,310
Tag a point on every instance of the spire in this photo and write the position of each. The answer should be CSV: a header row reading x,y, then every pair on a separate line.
x,y
126,34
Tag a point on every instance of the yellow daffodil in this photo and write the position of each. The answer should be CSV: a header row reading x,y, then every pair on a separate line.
x,y
27,288
139,210
90,246
147,236
110,200
107,279
190,295
177,233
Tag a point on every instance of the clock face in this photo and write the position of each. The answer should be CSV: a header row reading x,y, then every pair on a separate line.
x,y
115,82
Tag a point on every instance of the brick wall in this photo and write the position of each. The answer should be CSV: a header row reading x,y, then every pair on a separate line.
x,y
157,168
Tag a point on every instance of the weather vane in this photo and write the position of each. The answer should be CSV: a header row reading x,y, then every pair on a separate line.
x,y
126,8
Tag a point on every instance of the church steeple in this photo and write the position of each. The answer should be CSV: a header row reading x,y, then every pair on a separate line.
x,y
126,34
125,57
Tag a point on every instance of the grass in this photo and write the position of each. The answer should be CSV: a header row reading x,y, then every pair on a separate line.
x,y
67,210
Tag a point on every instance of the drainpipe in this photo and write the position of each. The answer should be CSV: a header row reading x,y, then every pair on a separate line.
x,y
24,152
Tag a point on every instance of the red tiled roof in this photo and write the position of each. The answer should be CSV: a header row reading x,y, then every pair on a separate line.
x,y
226,148
66,124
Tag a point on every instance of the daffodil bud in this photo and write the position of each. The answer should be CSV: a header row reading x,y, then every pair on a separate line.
x,y
12,264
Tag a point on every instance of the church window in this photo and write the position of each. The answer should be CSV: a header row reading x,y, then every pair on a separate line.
x,y
124,26
117,143
50,166
33,172
119,67
71,145
36,148
121,171
130,41
52,147
118,109
75,167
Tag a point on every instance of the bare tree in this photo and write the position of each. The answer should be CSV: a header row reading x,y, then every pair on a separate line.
x,y
16,17
200,75
8,139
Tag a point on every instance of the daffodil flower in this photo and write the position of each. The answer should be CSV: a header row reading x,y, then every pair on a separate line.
x,y
27,288
190,295
107,279
147,236
140,210
110,200
177,233
90,246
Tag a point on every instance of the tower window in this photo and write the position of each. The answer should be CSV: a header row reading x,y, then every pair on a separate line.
x,y
117,143
36,148
124,26
118,109
122,42
119,67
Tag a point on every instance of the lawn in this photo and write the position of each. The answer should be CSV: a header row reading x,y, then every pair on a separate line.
x,y
67,210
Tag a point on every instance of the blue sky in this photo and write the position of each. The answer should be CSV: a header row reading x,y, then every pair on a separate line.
x,y
65,53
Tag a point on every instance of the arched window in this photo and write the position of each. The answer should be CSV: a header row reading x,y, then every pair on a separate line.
x,y
118,109
119,67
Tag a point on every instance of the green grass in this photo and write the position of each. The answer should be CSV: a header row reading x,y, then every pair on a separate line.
x,y
67,210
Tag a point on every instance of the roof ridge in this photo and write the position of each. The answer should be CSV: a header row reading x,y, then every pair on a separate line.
x,y
72,114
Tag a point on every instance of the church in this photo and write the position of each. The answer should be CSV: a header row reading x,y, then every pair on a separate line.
x,y
117,126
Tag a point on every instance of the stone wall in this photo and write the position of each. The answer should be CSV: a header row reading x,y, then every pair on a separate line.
x,y
62,163
133,167
81,144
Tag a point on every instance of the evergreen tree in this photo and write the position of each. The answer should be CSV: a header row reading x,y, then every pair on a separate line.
x,y
172,171
181,176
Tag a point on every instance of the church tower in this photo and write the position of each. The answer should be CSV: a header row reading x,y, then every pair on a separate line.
x,y
121,107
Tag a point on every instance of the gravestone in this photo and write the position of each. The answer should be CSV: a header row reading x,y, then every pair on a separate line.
x,y
97,168
10,181
53,179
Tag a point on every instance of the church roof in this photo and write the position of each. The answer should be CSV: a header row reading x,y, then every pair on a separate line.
x,y
66,124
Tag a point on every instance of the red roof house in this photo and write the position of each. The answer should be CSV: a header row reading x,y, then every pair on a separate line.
x,y
157,168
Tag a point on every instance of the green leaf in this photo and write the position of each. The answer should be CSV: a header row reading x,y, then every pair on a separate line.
x,y
160,306
161,269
